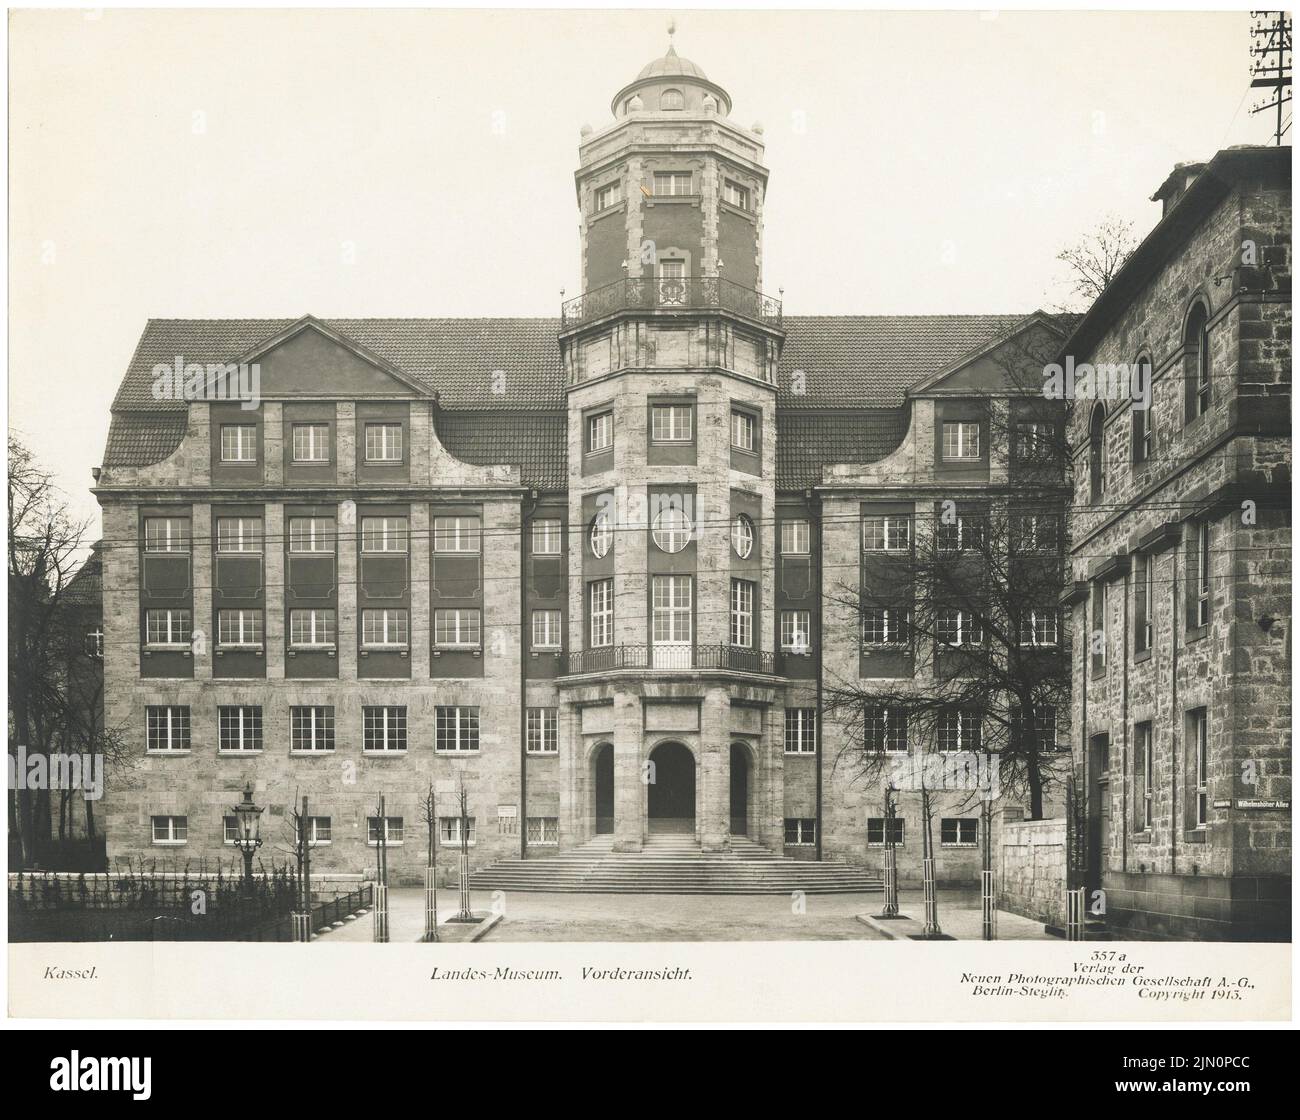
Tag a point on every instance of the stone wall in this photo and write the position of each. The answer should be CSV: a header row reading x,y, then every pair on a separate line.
x,y
1031,870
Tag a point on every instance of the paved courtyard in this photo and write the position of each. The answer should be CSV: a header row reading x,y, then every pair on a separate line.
x,y
535,916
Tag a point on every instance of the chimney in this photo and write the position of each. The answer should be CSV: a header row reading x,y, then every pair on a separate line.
x,y
1176,184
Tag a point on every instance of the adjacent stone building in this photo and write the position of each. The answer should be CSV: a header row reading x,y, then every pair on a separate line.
x,y
577,567
1181,557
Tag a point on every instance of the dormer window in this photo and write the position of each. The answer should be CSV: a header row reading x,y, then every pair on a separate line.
x,y
609,195
672,101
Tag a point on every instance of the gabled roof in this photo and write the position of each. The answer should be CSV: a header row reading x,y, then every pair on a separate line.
x,y
1057,326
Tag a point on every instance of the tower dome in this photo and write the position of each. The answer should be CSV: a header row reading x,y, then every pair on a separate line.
x,y
671,84
672,65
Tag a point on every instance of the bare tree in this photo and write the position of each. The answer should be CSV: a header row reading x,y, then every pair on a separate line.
x,y
44,543
963,599
1094,259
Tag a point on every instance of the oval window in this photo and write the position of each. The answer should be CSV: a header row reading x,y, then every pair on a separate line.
x,y
672,530
742,536
602,534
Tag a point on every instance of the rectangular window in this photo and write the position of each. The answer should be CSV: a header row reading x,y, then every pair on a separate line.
x,y
884,729
239,728
385,628
544,831
961,440
671,423
1032,442
457,628
796,631
1038,627
609,195
886,534
311,443
1034,533
1143,602
167,627
312,629
311,728
383,728
958,832
1200,731
546,629
742,613
1039,730
457,729
1143,786
1203,574
241,627
600,432
742,430
800,832
800,730
601,614
547,536
954,627
1143,432
317,830
239,534
671,599
168,728
884,626
451,830
167,534
383,443
456,534
239,443
876,831
311,534
959,729
543,731
392,830
735,194
170,830
672,182
230,829
384,534
956,534
796,538
1097,640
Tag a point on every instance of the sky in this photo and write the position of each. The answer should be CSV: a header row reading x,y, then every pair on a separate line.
x,y
256,164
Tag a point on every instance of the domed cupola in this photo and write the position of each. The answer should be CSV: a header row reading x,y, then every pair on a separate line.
x,y
671,84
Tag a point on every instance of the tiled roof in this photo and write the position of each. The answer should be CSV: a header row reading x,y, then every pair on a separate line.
x,y
136,439
873,360
87,584
536,442
829,363
807,440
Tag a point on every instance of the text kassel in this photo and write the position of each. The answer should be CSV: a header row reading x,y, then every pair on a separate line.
x,y
110,1075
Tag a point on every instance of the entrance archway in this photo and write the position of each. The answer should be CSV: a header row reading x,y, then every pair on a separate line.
x,y
741,772
602,766
670,796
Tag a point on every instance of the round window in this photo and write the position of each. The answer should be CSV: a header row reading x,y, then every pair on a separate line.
x,y
672,530
602,534
742,536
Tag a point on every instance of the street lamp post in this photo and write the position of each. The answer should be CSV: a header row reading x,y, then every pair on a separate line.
x,y
248,818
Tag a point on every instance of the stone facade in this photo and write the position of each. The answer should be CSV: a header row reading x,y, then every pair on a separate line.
x,y
1031,870
1194,841
694,585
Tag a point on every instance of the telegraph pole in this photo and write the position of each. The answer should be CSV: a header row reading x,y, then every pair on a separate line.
x,y
1271,50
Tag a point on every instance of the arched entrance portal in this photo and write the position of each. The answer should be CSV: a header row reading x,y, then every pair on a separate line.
x,y
740,779
671,792
602,765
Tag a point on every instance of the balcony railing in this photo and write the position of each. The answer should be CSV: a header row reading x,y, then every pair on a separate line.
x,y
670,656
684,293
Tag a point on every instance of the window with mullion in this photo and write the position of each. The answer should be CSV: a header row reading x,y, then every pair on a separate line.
x,y
601,613
742,613
239,443
239,534
671,597
956,627
310,628
386,627
384,534
456,729
546,629
383,728
885,729
457,628
167,728
671,423
543,731
167,626
547,536
311,534
311,443
456,534
800,730
891,533
312,728
239,728
959,730
961,440
167,534
742,430
958,832
384,443
239,627
884,626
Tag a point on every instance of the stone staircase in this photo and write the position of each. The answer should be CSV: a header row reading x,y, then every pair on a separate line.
x,y
673,863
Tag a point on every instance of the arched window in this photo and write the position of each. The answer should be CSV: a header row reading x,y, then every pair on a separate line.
x,y
1143,409
671,100
1196,363
1097,451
